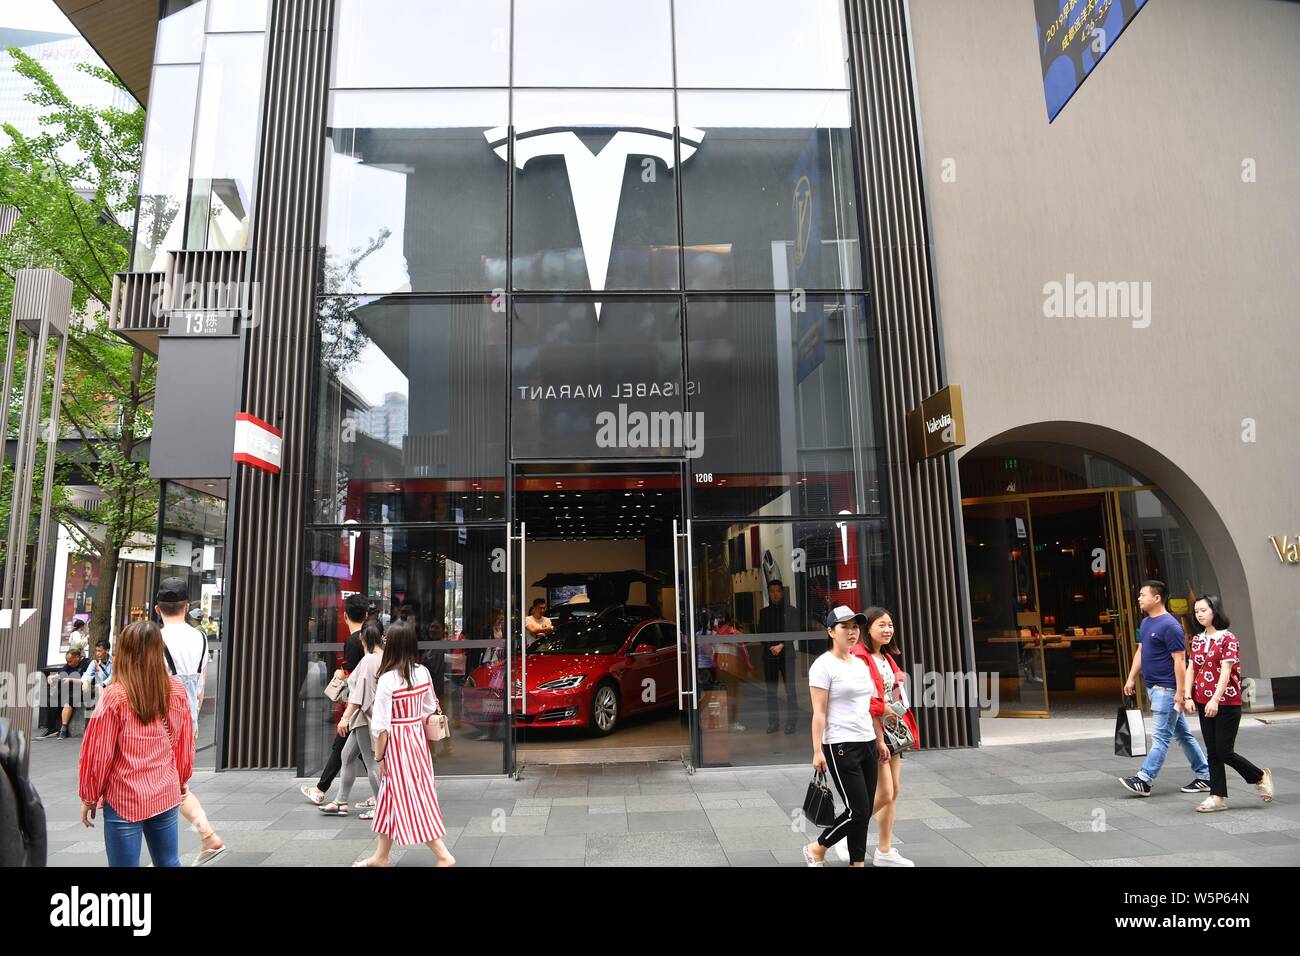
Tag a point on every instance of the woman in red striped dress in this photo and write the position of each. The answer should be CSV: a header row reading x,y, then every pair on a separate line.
x,y
407,809
138,753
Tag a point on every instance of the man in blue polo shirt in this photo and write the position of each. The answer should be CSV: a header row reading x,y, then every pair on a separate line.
x,y
1162,657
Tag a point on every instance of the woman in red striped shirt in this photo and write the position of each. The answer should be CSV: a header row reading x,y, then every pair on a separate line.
x,y
138,753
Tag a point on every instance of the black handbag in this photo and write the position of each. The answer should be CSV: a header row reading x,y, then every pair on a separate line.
x,y
819,804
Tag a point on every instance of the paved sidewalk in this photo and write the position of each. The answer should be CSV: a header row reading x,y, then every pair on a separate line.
x,y
1043,804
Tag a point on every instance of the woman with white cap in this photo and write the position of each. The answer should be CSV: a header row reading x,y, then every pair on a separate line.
x,y
847,740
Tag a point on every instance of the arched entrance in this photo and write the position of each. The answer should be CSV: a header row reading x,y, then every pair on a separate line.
x,y
1063,521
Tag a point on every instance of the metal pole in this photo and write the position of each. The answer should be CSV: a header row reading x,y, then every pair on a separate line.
x,y
34,401
51,449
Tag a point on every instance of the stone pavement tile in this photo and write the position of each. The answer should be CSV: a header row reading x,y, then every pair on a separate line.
x,y
1201,860
980,839
603,789
1269,856
231,858
918,809
723,803
320,853
314,820
568,789
1087,790
1069,776
1005,799
979,786
530,811
566,821
569,847
763,838
1041,857
82,860
1119,861
265,841
458,812
667,820
754,858
659,789
1192,836
650,804
664,848
927,790
474,844
1251,821
916,831
220,814
1273,838
948,822
334,833
1010,814
935,855
501,826
592,801
1097,846
468,858
770,816
539,862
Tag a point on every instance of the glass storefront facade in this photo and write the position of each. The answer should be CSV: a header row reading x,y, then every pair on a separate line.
x,y
613,243
1057,543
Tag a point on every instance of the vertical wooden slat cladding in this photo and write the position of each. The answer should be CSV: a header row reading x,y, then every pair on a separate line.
x,y
266,579
929,559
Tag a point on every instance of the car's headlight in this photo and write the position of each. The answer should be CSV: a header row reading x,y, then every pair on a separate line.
x,y
563,683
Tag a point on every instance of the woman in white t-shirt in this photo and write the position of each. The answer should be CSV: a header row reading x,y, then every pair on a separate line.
x,y
847,740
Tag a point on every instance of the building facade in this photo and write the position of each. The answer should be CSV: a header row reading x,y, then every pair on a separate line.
x,y
624,308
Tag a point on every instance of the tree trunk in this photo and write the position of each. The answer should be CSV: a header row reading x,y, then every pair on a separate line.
x,y
101,615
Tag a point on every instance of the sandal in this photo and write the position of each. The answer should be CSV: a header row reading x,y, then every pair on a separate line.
x,y
1265,786
366,863
810,859
335,809
366,814
366,804
1212,805
207,856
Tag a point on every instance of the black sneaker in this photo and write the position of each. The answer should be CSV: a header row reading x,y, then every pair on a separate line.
x,y
64,733
1137,785
790,726
48,734
773,728
1197,786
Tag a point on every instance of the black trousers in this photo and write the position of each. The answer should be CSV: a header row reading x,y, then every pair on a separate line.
x,y
1220,735
853,768
333,765
777,667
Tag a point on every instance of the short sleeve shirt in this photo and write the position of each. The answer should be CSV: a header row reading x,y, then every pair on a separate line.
x,y
1209,654
1161,637
849,689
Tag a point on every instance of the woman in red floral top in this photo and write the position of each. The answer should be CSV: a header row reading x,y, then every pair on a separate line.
x,y
138,752
1214,688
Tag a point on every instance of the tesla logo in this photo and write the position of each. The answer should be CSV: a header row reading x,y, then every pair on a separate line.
x,y
595,179
648,695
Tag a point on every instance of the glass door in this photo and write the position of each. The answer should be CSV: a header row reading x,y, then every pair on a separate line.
x,y
1006,619
597,654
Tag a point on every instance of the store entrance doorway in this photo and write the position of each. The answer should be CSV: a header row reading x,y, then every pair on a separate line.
x,y
599,668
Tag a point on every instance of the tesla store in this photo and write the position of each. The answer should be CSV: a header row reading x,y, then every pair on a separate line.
x,y
592,332
562,342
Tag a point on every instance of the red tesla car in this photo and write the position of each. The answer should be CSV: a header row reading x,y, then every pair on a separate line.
x,y
590,672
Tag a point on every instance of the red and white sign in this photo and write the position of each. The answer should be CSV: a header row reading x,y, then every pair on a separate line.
x,y
257,443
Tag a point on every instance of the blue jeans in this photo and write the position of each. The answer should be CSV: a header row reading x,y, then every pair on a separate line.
x,y
122,838
1170,722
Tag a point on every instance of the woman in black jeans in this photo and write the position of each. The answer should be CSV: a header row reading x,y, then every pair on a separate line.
x,y
848,743
1214,684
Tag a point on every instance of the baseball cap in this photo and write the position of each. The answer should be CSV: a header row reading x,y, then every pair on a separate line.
x,y
841,613
173,591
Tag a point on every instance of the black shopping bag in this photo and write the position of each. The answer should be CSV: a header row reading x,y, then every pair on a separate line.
x,y
1130,731
819,804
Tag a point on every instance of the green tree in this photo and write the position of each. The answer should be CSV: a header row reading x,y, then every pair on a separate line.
x,y
74,184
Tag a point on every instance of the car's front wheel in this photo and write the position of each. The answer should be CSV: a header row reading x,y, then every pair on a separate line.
x,y
604,709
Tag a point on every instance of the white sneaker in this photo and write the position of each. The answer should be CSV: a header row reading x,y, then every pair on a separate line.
x,y
737,728
313,794
891,858
842,850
